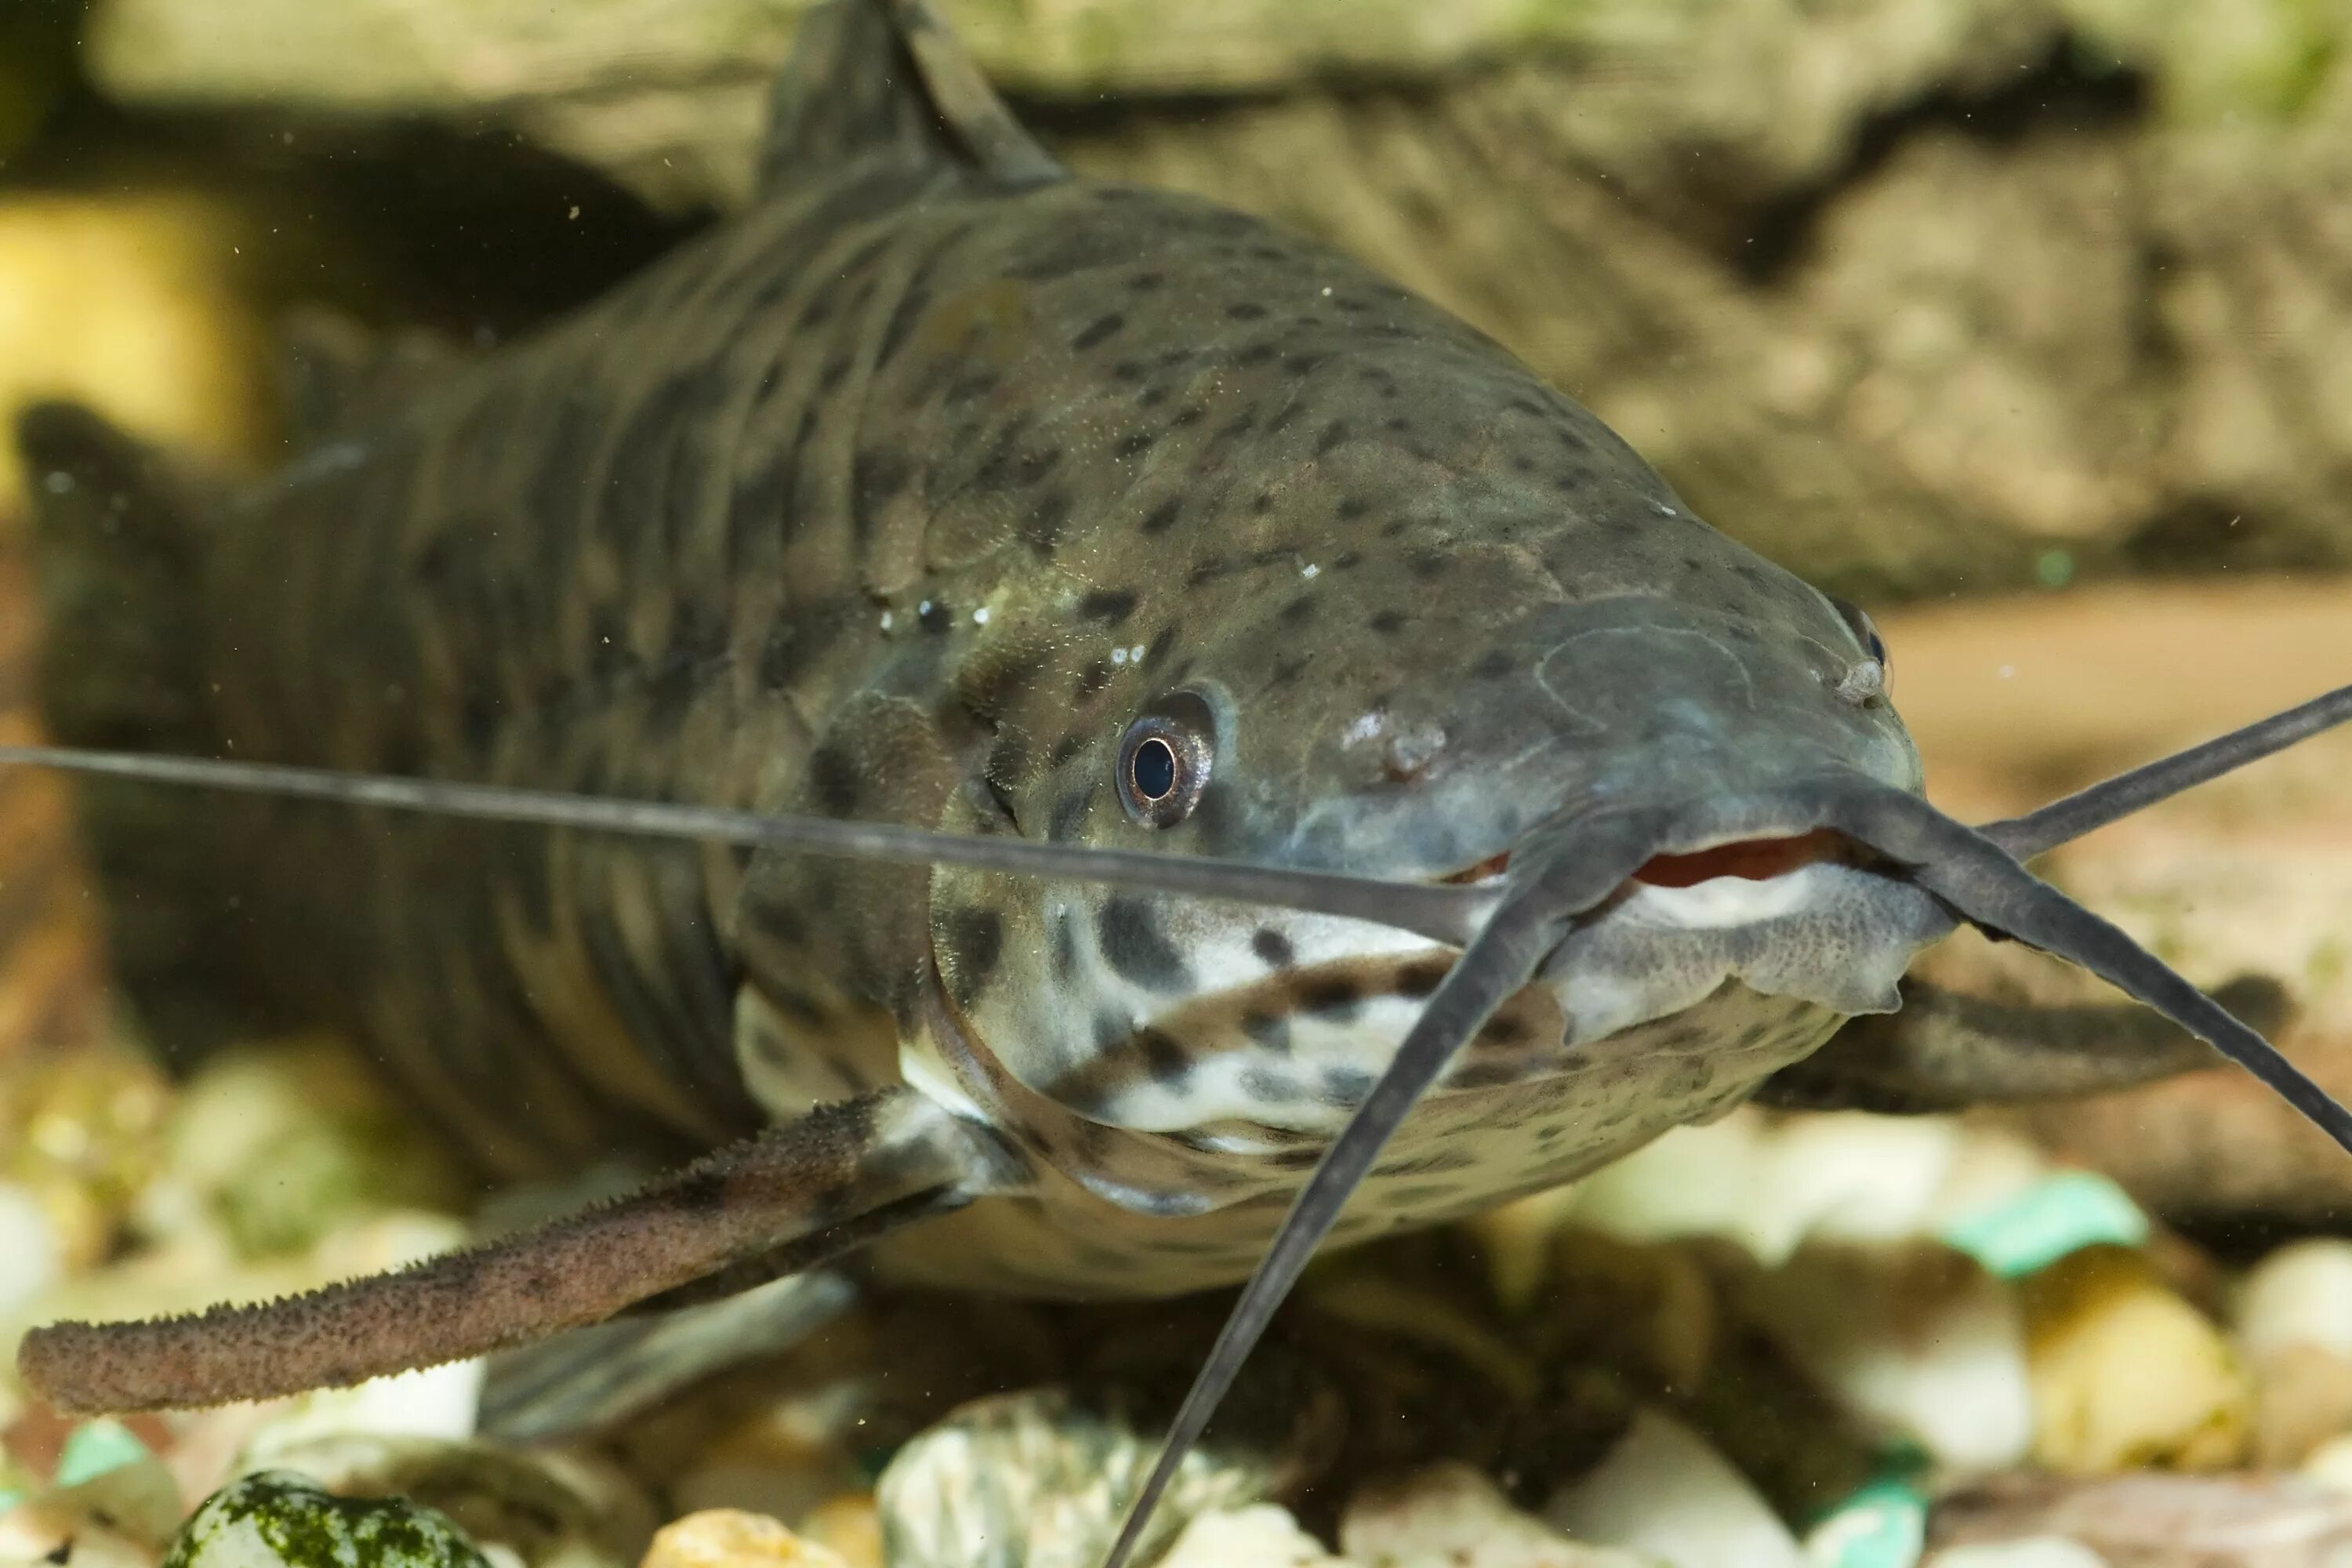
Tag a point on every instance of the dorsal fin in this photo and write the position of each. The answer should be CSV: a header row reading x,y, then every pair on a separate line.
x,y
885,80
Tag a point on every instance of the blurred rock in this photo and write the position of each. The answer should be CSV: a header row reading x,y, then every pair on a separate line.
x,y
1260,1536
1664,1493
2126,1374
729,1538
2293,1327
1453,1515
273,1521
2155,1522
78,1136
288,1142
1871,283
139,305
1918,1341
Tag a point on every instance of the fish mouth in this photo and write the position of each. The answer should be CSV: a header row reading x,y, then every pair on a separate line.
x,y
1758,858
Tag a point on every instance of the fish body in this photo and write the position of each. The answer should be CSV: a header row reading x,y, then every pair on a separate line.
x,y
910,494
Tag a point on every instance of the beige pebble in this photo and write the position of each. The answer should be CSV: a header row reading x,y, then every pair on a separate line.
x,y
1452,1516
1262,1535
730,1538
2126,1374
1664,1491
851,1524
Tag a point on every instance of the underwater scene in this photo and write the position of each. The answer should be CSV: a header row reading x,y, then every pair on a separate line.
x,y
1077,784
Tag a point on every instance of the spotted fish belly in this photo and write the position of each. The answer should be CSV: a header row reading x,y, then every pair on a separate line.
x,y
1113,1211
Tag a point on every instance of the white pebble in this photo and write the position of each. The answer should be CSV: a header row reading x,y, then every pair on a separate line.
x,y
2301,1294
1260,1536
1661,1491
32,1255
1917,1339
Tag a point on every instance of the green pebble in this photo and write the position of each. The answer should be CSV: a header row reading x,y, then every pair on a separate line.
x,y
1883,1525
2053,568
275,1519
95,1447
2045,1223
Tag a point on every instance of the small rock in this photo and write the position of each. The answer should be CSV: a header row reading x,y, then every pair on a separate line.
x,y
851,1526
1664,1493
2036,1552
730,1538
2125,1372
29,1241
276,1521
1452,1516
2155,1520
1917,1340
1262,1535
1041,1480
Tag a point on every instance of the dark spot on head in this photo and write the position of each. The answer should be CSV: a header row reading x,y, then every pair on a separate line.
x,y
1164,1056
1351,508
1298,611
1184,418
1132,945
1345,1086
1332,996
1108,606
1426,565
1273,948
1135,443
1100,330
1266,1030
1388,623
1162,518
1495,664
1065,945
1070,812
1301,364
833,780
1503,1032
1333,434
1145,282
1269,1087
1042,529
975,940
1254,354
1284,673
976,384
934,616
1421,976
1094,678
1246,311
1067,747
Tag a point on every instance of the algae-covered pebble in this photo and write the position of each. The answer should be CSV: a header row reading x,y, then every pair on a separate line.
x,y
1042,1480
730,1538
273,1519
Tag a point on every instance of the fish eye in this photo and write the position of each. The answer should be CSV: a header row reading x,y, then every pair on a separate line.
x,y
1864,631
1163,766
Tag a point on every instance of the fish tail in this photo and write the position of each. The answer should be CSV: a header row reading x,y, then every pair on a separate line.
x,y
118,559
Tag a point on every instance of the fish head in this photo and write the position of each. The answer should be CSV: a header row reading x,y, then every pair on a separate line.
x,y
1372,598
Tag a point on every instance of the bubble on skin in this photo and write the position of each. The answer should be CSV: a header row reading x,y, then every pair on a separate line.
x,y
1310,570
1363,728
980,616
886,618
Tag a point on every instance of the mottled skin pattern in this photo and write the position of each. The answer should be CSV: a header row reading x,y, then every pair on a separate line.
x,y
901,496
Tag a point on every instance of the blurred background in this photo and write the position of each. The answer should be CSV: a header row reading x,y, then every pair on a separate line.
x,y
2027,323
